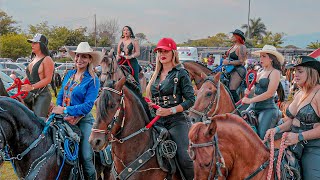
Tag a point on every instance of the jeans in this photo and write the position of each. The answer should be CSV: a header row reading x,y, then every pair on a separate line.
x,y
86,151
178,127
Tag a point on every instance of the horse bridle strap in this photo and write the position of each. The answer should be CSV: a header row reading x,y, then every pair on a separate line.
x,y
113,90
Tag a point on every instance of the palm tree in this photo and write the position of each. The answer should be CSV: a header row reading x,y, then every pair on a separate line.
x,y
313,45
256,27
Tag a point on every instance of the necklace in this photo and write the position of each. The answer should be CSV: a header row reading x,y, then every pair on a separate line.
x,y
71,84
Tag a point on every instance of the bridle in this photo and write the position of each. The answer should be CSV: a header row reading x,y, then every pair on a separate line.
x,y
204,115
217,160
111,71
115,118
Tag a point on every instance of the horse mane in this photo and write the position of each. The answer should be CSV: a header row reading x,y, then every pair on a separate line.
x,y
195,62
107,96
137,93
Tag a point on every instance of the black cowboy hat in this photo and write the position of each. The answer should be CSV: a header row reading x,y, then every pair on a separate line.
x,y
308,61
240,33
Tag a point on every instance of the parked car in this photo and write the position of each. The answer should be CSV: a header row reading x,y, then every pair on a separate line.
x,y
12,65
18,73
22,60
62,69
7,82
5,60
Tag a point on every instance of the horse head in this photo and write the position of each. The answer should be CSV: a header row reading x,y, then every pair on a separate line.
x,y
202,148
107,123
110,70
196,71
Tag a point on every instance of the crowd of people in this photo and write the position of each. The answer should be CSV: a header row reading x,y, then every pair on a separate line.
x,y
170,87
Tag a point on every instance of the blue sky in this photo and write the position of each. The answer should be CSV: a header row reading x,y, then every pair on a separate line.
x,y
179,19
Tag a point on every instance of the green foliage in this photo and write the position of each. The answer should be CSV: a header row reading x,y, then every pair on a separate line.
x,y
7,24
218,40
14,46
314,45
75,37
63,60
256,27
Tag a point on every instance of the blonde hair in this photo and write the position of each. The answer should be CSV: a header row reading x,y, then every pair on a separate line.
x,y
176,61
312,80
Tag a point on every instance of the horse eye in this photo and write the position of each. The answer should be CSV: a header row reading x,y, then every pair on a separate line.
x,y
209,94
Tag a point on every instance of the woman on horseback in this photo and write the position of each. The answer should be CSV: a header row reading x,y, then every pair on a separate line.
x,y
128,51
76,98
268,79
39,73
236,56
303,117
169,85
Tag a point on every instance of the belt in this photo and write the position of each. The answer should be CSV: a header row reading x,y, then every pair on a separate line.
x,y
165,100
301,124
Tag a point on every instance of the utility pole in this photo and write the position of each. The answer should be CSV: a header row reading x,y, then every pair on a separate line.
x,y
249,20
95,30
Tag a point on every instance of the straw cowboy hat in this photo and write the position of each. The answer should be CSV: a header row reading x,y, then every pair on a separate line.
x,y
271,50
84,48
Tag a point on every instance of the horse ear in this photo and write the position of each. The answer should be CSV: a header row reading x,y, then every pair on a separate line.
x,y
217,78
121,82
203,75
211,130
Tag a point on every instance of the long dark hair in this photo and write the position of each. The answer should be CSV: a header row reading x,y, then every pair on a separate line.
x,y
44,50
275,63
131,32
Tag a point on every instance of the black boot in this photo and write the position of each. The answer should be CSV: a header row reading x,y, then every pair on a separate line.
x,y
235,95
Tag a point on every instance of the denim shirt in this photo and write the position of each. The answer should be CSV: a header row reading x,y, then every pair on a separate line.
x,y
82,96
166,88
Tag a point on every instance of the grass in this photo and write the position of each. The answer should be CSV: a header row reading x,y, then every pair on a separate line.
x,y
6,170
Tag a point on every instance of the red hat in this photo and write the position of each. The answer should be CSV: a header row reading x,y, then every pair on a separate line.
x,y
166,44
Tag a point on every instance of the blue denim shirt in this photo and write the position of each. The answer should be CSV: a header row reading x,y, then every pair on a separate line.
x,y
83,95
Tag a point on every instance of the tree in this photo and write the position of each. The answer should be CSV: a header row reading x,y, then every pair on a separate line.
x,y
107,29
271,39
314,45
42,28
141,37
7,24
218,40
14,46
256,27
75,37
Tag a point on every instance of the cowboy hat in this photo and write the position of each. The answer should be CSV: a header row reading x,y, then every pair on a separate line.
x,y
239,33
84,48
271,50
307,61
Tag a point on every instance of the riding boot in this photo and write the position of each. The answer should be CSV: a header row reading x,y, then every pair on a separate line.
x,y
235,95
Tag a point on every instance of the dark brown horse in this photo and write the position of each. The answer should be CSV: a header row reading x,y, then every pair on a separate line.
x,y
19,128
122,115
227,148
213,98
197,71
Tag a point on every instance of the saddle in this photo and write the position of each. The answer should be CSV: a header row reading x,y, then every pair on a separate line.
x,y
166,150
63,130
251,119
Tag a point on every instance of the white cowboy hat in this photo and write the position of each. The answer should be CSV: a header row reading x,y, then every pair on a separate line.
x,y
84,48
271,50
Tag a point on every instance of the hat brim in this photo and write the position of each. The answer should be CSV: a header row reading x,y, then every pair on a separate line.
x,y
278,55
97,56
162,47
239,35
311,64
32,41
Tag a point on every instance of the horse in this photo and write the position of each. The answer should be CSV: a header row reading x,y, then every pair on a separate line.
x,y
213,98
227,147
197,71
110,71
124,128
19,112
19,128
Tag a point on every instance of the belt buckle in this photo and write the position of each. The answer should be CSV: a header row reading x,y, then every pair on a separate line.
x,y
165,103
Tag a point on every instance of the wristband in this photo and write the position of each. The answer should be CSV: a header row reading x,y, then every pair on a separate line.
x,y
65,111
173,110
300,136
277,129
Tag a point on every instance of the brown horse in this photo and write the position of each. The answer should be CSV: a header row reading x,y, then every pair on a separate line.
x,y
227,147
122,115
212,98
196,71
111,71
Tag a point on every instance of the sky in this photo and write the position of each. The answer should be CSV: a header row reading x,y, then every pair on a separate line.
x,y
179,19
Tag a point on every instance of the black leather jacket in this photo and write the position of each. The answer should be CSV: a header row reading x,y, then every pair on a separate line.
x,y
174,90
